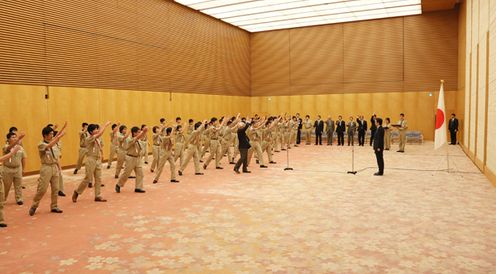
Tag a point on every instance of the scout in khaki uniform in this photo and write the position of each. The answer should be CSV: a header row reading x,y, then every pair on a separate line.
x,y
3,158
165,152
134,160
307,129
93,163
205,142
180,139
387,134
255,136
268,136
192,148
227,138
155,147
144,145
213,133
49,170
402,127
114,144
82,149
12,167
121,151
57,151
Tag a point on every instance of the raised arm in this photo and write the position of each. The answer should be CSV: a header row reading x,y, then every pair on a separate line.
x,y
7,156
102,130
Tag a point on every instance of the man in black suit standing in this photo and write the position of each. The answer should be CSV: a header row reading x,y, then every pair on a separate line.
x,y
340,129
373,128
300,126
319,128
379,147
362,128
244,145
453,128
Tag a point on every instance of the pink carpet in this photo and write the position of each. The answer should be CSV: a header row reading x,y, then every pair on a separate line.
x,y
315,219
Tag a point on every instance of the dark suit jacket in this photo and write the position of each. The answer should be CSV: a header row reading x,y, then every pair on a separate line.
x,y
373,126
244,141
379,139
319,126
300,123
362,126
453,124
341,126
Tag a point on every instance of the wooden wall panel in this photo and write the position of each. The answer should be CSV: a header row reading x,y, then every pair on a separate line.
x,y
373,50
316,55
24,107
74,105
149,45
388,55
431,50
270,59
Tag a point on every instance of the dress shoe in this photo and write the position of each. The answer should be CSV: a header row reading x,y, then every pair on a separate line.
x,y
232,163
139,190
377,174
180,173
20,202
100,199
117,188
146,163
219,167
131,177
75,171
155,181
116,176
246,171
74,196
61,194
90,185
263,166
402,151
32,211
108,167
257,161
198,173
237,171
174,181
201,161
151,170
3,225
283,149
56,210
272,162
102,185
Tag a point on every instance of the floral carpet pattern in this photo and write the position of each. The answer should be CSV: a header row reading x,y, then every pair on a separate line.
x,y
418,218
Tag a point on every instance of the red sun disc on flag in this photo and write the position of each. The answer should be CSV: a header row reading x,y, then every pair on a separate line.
x,y
439,118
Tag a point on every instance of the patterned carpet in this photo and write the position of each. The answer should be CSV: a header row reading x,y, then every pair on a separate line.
x,y
315,219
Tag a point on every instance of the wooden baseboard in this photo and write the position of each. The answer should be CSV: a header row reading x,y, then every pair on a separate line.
x,y
479,164
491,175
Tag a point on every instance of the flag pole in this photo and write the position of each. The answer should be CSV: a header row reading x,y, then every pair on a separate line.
x,y
447,146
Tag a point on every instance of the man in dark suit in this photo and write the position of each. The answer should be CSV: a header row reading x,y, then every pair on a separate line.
x,y
340,129
362,128
319,128
373,128
453,128
379,147
244,145
300,126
